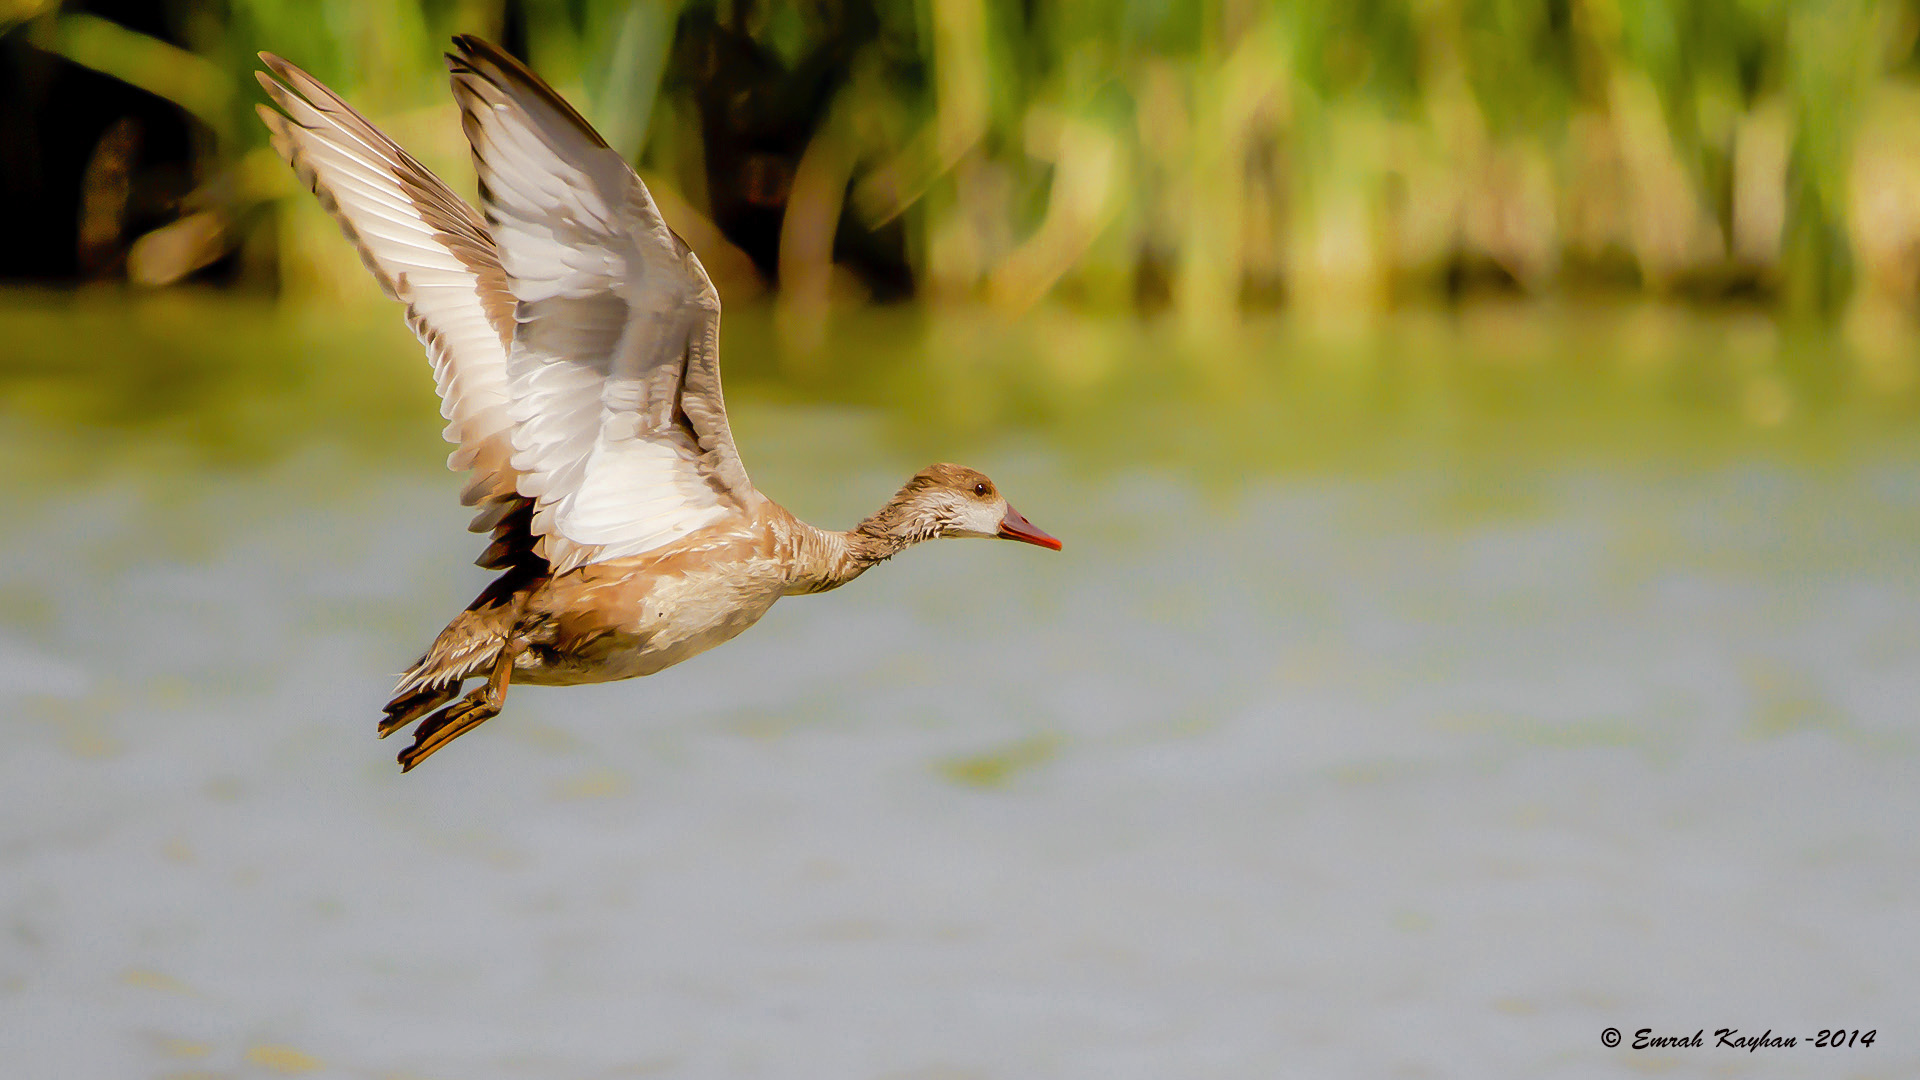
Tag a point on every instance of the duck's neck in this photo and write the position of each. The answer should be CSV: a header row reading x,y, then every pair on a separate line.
x,y
822,559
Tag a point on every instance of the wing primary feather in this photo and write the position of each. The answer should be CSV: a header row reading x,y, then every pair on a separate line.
x,y
425,246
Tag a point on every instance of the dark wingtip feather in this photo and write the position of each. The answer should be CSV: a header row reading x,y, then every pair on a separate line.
x,y
274,89
485,60
472,46
282,69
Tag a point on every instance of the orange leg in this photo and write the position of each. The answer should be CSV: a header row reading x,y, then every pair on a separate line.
x,y
458,718
402,711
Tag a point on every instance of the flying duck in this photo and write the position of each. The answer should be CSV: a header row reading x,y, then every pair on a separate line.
x,y
574,339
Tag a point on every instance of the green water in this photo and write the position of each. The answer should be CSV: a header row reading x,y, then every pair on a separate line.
x,y
221,381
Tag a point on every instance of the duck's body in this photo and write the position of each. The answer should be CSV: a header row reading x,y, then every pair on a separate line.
x,y
634,616
574,339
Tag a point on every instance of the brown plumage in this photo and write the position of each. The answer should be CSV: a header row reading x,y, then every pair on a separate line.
x,y
575,345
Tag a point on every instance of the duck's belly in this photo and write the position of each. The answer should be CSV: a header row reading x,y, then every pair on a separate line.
x,y
631,629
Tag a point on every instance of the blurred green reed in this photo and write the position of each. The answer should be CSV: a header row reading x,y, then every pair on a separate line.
x,y
1207,155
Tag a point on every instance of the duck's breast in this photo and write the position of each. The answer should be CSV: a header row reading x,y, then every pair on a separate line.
x,y
625,618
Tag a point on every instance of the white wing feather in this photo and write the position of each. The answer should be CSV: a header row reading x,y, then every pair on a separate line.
x,y
574,337
622,449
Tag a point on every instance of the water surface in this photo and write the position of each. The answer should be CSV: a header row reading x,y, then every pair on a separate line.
x,y
1372,723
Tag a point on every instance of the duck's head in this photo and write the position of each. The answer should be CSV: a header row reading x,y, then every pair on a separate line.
x,y
953,500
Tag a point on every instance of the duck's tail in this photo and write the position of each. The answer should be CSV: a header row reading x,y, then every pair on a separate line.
x,y
465,649
478,642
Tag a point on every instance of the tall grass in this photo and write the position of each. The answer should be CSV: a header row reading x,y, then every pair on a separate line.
x,y
1206,155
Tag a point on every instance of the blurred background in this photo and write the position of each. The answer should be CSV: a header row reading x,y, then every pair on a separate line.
x,y
1483,433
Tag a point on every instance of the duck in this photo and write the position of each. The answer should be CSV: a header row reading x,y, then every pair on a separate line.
x,y
574,341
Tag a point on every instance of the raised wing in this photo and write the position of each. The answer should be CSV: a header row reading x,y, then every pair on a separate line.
x,y
620,431
428,249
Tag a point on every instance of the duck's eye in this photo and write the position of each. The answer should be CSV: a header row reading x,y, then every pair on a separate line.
x,y
980,489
